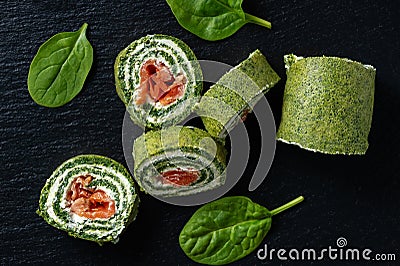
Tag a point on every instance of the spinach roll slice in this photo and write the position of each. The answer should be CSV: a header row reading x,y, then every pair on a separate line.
x,y
159,80
229,101
178,161
90,197
328,104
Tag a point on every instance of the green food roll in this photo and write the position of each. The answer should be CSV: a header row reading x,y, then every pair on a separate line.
x,y
327,105
90,197
228,101
178,161
159,80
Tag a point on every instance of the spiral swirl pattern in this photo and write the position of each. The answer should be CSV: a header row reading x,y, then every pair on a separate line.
x,y
184,148
179,59
109,176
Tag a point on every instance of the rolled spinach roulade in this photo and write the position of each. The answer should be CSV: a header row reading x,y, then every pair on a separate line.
x,y
229,101
327,104
90,197
178,161
159,80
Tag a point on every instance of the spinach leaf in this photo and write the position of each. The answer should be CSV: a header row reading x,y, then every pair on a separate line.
x,y
212,19
60,67
227,229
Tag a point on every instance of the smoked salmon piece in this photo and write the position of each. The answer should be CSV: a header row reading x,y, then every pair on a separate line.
x,y
88,202
180,177
158,84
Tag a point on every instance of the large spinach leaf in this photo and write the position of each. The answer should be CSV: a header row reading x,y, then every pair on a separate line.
x,y
213,19
60,67
227,229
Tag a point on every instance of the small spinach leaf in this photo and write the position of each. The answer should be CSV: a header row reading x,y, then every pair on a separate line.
x,y
227,229
213,19
60,67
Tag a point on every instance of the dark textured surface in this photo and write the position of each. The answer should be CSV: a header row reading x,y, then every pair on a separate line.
x,y
355,197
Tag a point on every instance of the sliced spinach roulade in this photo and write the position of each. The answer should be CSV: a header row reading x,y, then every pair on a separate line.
x,y
328,104
178,161
91,197
159,80
228,101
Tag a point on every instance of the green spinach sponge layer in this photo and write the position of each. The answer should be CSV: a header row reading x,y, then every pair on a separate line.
x,y
327,104
235,94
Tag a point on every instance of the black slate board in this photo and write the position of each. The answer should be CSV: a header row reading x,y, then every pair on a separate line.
x,y
354,197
